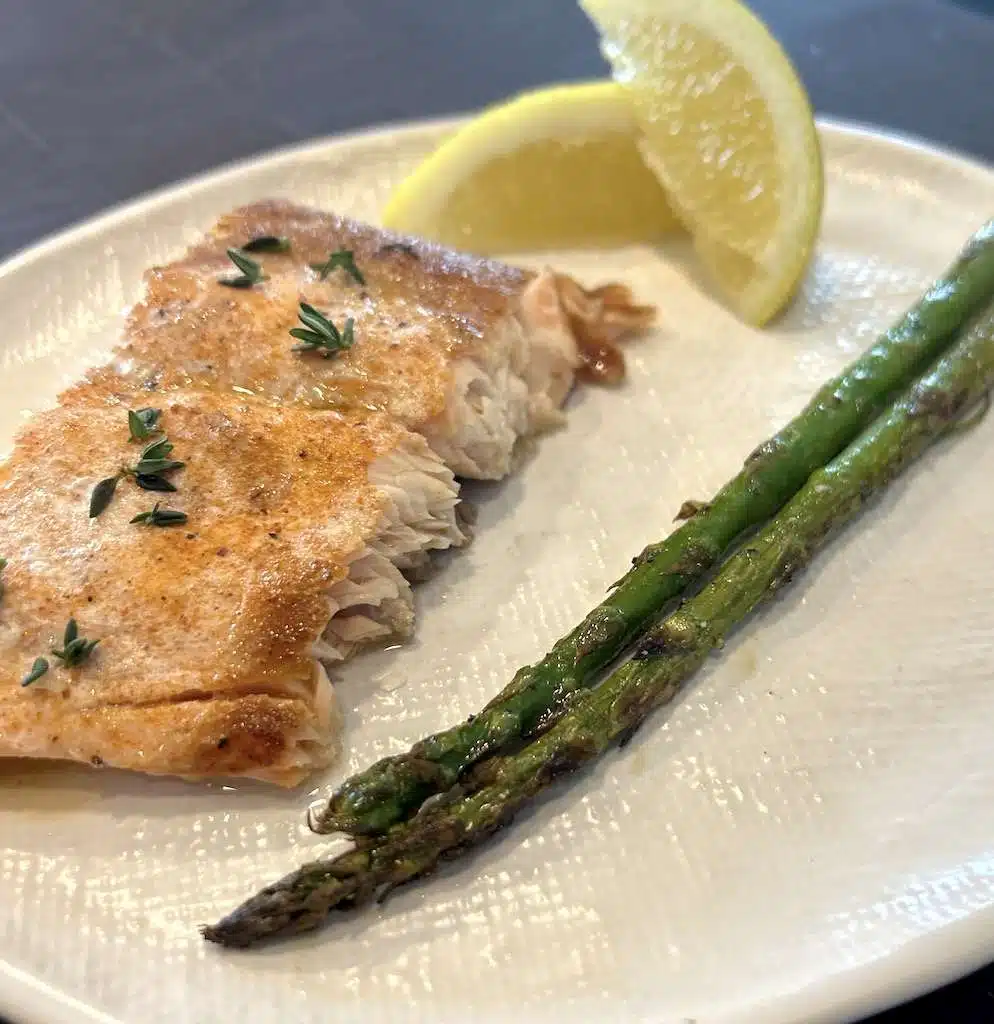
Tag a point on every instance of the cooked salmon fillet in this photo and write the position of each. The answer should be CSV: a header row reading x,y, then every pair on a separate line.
x,y
314,488
470,353
212,632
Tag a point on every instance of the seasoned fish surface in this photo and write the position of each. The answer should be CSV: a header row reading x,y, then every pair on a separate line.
x,y
299,524
314,488
454,347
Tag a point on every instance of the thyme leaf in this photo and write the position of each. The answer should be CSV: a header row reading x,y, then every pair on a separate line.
x,y
38,669
151,482
160,449
159,516
75,648
319,334
267,243
343,258
150,469
74,651
251,272
142,423
102,494
154,460
154,467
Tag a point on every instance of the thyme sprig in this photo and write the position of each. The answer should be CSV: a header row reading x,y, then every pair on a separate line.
x,y
251,272
142,423
319,334
155,460
149,472
343,258
75,650
159,516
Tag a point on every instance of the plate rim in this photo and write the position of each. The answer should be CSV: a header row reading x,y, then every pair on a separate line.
x,y
920,966
863,131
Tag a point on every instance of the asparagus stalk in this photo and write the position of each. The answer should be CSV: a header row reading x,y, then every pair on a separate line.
x,y
493,793
393,788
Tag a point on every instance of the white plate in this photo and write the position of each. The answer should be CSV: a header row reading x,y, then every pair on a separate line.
x,y
805,835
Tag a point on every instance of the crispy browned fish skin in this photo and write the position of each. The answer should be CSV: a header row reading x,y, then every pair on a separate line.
x,y
207,629
418,312
442,342
469,353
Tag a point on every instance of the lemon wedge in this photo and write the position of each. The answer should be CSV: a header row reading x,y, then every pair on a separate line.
x,y
555,168
727,127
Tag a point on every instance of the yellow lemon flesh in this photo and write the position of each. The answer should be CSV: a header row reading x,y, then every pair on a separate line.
x,y
555,168
727,127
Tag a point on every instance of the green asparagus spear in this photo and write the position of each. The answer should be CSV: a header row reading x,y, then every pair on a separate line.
x,y
393,788
492,794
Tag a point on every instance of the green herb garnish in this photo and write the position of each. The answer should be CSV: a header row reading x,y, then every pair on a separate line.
x,y
251,272
38,669
159,516
74,651
75,648
142,423
155,460
150,469
101,495
267,243
343,258
319,334
3,565
151,482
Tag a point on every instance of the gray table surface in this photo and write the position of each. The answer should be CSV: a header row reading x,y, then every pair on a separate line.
x,y
103,99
